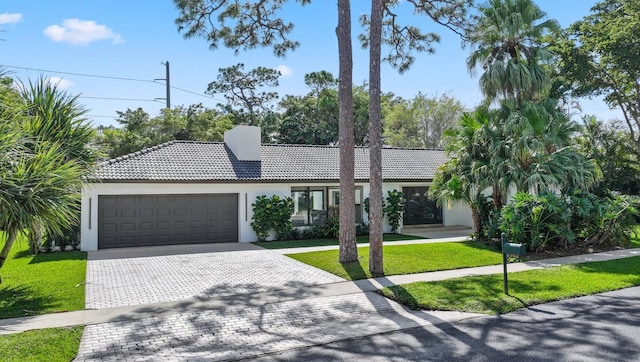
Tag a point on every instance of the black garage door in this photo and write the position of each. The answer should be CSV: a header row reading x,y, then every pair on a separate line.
x,y
145,220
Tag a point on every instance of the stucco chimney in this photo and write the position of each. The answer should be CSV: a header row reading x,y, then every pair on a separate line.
x,y
244,142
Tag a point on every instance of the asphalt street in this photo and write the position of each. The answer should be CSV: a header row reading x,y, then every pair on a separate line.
x,y
603,327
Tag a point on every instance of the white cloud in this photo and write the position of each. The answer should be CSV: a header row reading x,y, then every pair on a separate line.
x,y
76,31
61,83
6,18
284,70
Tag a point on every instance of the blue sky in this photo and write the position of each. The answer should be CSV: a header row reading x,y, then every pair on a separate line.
x,y
130,39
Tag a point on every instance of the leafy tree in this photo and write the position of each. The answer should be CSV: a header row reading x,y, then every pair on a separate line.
x,y
312,118
612,148
320,81
600,56
421,121
193,123
239,25
507,41
241,89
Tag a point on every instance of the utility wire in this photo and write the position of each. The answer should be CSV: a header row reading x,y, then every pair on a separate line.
x,y
81,74
123,99
198,94
114,78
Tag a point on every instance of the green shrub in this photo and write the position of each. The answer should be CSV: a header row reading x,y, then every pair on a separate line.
x,y
394,208
604,220
272,214
362,229
330,229
537,221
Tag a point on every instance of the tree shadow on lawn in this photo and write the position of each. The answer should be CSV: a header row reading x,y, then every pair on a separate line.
x,y
21,301
53,256
491,287
629,267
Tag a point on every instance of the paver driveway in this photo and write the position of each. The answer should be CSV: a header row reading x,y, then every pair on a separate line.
x,y
151,275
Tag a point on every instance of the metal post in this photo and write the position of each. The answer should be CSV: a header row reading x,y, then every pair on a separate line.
x,y
504,264
168,83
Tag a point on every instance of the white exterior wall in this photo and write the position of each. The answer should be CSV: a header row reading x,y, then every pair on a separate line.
x,y
453,214
457,213
247,194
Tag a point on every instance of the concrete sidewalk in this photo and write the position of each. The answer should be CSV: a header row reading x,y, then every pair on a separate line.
x,y
260,300
307,249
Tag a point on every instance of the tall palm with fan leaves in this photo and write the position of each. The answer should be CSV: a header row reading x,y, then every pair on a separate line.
x,y
506,39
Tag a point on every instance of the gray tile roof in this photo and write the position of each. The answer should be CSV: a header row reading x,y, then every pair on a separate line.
x,y
186,161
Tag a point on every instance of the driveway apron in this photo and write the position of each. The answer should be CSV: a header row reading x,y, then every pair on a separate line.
x,y
135,276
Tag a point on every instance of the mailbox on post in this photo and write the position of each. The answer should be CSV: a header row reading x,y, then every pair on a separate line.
x,y
514,249
510,249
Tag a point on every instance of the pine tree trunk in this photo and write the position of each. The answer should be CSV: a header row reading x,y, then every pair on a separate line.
x,y
348,247
375,142
11,238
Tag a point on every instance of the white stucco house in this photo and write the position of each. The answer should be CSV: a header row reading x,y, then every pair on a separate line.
x,y
185,192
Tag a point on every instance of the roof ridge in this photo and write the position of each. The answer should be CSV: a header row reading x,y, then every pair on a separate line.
x,y
136,154
358,147
197,142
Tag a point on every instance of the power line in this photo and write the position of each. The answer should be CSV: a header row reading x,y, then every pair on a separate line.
x,y
122,99
81,74
114,78
198,94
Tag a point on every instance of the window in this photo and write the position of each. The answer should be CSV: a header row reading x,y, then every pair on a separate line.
x,y
313,205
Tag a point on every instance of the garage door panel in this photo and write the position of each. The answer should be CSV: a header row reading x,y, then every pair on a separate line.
x,y
142,220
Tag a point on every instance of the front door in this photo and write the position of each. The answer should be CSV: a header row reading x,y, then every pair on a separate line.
x,y
420,209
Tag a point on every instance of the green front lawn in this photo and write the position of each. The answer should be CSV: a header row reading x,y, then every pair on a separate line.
x,y
52,344
484,294
406,259
287,244
43,283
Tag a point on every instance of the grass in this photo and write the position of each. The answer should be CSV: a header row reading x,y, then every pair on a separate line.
x,y
484,294
53,344
44,283
286,244
635,238
406,259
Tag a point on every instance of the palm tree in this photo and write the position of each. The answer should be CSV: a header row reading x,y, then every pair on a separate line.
x,y
56,116
462,177
507,37
37,186
542,157
52,115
